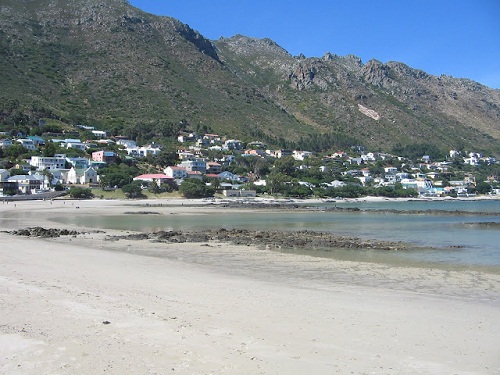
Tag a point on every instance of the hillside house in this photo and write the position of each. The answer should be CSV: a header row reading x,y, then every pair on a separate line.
x,y
175,172
4,175
5,143
82,176
301,155
156,178
27,144
26,184
213,168
79,163
127,143
44,162
37,141
104,156
99,133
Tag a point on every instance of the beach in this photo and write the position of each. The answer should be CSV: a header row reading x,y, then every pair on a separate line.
x,y
88,303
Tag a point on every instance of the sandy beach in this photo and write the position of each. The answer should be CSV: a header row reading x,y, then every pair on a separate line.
x,y
86,305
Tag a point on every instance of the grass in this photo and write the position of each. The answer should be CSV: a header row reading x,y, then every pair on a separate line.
x,y
119,194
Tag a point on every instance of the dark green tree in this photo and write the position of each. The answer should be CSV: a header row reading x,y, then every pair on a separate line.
x,y
195,188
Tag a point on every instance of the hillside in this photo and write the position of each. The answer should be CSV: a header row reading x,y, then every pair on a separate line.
x,y
144,76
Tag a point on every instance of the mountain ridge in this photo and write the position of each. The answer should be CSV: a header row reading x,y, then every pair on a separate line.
x,y
147,77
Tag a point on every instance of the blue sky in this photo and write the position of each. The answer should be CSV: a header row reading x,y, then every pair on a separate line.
x,y
454,37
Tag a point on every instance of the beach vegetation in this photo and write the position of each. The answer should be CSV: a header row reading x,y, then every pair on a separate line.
x,y
195,188
80,193
133,190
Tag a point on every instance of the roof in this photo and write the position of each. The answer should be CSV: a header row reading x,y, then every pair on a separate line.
x,y
22,177
151,176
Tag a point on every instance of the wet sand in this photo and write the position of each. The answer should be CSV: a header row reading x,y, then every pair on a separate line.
x,y
86,304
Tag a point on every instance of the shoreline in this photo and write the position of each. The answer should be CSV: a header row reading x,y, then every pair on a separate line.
x,y
82,303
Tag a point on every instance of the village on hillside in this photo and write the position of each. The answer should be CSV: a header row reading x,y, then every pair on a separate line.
x,y
205,164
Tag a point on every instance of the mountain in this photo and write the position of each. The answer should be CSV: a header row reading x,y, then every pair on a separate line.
x,y
145,76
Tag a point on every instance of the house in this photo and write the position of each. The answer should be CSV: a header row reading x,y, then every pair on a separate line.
x,y
26,184
127,143
5,143
213,168
99,133
233,144
4,174
104,156
175,172
82,176
37,141
422,185
281,153
27,144
47,162
301,155
70,143
369,157
229,176
184,155
390,169
144,151
79,163
239,193
157,178
257,152
196,165
195,174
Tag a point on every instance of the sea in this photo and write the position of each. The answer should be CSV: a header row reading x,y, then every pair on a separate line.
x,y
454,234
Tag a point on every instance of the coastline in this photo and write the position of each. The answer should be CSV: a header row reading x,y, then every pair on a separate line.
x,y
213,307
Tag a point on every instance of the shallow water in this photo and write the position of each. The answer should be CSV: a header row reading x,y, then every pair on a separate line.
x,y
454,241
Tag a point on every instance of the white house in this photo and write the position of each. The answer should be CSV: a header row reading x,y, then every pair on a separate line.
x,y
127,143
175,172
26,184
99,133
27,144
82,176
157,178
301,155
45,162
390,169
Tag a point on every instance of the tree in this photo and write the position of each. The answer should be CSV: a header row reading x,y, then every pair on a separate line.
x,y
195,188
285,165
49,150
482,188
133,190
80,193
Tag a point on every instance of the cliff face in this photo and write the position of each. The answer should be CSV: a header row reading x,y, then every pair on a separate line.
x,y
381,104
110,64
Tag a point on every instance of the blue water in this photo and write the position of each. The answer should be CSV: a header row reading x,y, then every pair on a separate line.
x,y
452,239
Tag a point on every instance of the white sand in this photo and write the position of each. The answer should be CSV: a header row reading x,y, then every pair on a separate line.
x,y
221,309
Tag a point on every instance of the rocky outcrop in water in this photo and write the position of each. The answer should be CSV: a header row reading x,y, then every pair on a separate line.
x,y
269,239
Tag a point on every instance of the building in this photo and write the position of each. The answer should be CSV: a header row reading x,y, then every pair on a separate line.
x,y
26,184
82,176
196,165
104,156
157,178
46,162
27,144
176,172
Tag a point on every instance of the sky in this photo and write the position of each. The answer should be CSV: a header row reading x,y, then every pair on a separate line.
x,y
460,38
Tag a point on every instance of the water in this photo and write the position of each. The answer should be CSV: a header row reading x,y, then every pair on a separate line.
x,y
454,241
